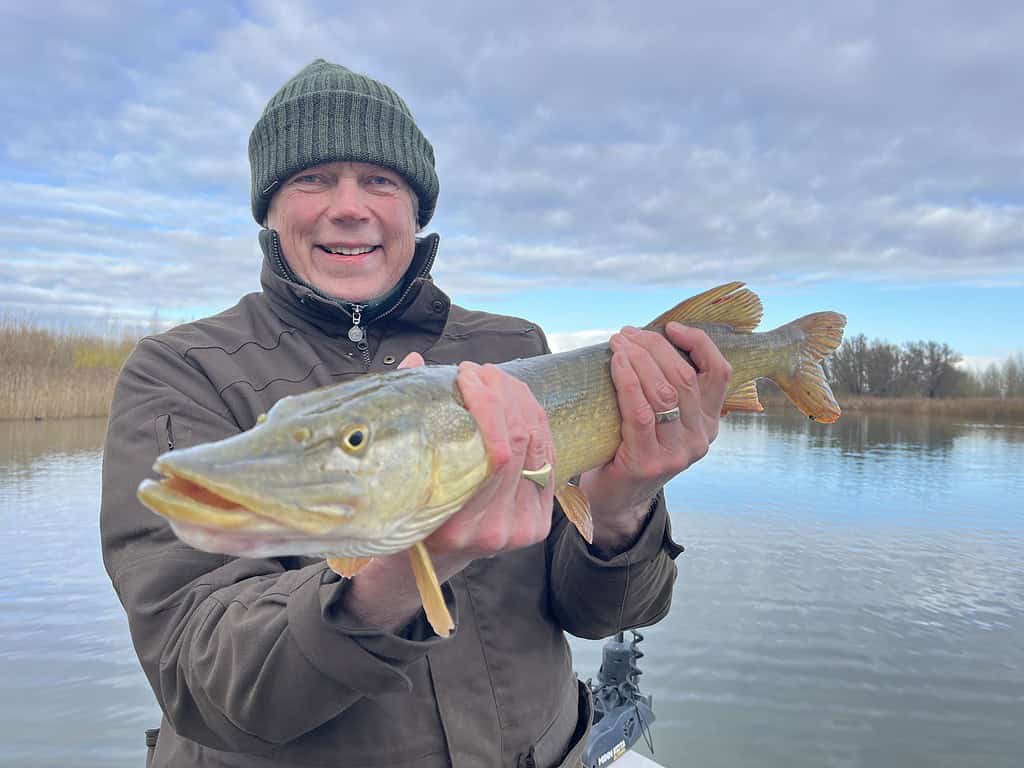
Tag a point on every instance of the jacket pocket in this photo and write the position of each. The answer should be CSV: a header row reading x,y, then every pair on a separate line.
x,y
573,758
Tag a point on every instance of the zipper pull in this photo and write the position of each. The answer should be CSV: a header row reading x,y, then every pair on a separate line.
x,y
356,333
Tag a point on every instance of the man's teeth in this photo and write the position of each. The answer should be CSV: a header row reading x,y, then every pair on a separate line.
x,y
349,251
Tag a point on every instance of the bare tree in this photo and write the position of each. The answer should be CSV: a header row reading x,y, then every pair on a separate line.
x,y
940,369
990,382
846,368
881,368
1013,375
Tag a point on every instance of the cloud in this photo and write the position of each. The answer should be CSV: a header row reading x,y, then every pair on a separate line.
x,y
580,143
563,342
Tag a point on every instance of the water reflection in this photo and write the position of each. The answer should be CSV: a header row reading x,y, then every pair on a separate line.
x,y
851,595
23,441
73,692
857,434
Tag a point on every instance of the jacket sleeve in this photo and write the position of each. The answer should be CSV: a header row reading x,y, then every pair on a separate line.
x,y
242,653
594,597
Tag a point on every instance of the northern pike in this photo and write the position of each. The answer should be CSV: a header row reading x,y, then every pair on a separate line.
x,y
373,466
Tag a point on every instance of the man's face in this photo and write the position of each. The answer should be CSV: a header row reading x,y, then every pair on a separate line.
x,y
347,229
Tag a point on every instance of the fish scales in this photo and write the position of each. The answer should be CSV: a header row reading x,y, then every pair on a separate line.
x,y
575,390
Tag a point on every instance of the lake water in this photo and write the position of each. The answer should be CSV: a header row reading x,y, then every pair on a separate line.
x,y
850,596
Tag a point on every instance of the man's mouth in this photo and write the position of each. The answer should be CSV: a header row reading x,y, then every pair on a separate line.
x,y
356,250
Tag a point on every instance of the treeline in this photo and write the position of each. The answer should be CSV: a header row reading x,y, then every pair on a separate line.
x,y
927,369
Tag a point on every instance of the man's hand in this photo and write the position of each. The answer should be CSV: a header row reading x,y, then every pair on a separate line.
x,y
651,377
508,512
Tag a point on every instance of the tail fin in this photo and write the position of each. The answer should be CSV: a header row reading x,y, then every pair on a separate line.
x,y
807,389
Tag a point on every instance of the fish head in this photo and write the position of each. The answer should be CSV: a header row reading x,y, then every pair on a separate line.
x,y
347,470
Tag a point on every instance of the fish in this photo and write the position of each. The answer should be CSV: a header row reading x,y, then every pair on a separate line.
x,y
373,466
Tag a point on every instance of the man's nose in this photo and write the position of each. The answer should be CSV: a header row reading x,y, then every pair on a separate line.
x,y
347,202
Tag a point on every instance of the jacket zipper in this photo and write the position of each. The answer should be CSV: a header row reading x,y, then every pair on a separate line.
x,y
422,273
275,247
357,333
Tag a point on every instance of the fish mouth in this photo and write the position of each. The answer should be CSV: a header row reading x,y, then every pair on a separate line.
x,y
216,520
206,520
182,500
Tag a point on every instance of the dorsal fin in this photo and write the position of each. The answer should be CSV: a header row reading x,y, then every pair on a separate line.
x,y
730,304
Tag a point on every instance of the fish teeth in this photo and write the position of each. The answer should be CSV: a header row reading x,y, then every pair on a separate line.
x,y
349,251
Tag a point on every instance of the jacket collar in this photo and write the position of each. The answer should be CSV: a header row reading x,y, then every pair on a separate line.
x,y
420,303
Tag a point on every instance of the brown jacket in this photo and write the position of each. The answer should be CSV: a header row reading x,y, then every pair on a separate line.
x,y
254,661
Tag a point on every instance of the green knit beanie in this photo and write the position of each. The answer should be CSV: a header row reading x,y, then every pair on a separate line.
x,y
327,113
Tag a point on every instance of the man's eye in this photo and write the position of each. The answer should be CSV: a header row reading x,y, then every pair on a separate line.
x,y
308,178
381,181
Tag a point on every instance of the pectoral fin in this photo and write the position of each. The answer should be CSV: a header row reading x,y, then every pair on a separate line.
x,y
430,590
576,506
347,566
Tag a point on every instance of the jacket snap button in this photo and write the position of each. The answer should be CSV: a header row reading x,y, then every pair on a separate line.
x,y
438,305
389,359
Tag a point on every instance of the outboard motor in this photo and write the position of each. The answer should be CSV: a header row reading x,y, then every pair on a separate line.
x,y
621,714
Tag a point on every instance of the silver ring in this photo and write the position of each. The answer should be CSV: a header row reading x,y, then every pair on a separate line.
x,y
664,417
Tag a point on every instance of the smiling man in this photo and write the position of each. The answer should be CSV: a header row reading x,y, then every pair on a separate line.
x,y
281,661
348,228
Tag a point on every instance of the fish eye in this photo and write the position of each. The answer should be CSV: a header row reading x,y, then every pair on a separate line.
x,y
355,438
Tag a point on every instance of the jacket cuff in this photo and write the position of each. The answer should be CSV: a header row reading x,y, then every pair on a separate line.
x,y
655,536
368,659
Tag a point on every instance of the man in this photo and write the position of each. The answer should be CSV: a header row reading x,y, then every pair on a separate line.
x,y
280,661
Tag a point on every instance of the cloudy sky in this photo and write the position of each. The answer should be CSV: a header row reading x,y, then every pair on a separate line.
x,y
598,161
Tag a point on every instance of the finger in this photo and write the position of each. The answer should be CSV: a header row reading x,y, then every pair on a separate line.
x,y
484,403
510,395
680,371
702,350
656,396
714,370
412,360
637,414
532,502
521,510
668,382
682,375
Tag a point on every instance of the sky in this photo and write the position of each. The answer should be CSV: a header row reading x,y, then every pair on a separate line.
x,y
599,161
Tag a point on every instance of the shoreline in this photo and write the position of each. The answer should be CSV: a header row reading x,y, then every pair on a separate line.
x,y
1005,410
51,395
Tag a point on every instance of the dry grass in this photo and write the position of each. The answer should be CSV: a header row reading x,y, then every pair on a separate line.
x,y
56,375
1004,410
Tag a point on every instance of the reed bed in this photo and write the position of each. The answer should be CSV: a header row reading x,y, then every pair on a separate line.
x,y
48,374
1006,410
1009,410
